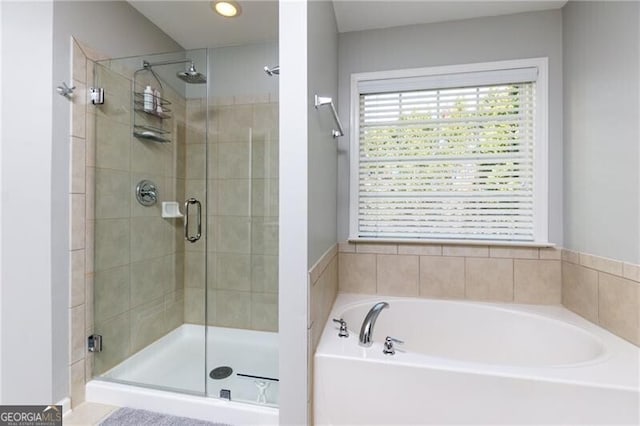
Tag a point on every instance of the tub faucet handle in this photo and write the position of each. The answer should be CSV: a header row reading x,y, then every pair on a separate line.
x,y
343,327
388,348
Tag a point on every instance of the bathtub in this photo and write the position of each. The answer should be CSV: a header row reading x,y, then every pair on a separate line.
x,y
473,363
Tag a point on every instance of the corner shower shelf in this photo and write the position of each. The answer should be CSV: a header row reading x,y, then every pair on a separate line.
x,y
149,125
138,105
151,133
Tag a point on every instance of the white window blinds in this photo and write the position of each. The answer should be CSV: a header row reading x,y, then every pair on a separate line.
x,y
454,162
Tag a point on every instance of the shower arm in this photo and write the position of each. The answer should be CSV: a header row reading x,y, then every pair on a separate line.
x,y
148,66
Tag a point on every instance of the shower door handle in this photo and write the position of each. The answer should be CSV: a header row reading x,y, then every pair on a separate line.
x,y
187,204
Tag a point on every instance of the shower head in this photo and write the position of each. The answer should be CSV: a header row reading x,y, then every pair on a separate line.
x,y
272,71
192,76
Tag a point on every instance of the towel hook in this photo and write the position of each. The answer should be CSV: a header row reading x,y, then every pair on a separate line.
x,y
65,90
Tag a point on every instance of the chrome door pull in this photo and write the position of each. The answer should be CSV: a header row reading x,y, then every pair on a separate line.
x,y
189,202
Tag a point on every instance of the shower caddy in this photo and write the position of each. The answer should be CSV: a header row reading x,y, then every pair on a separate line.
x,y
149,124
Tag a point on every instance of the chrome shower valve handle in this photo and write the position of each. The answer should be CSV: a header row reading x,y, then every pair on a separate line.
x,y
388,348
147,193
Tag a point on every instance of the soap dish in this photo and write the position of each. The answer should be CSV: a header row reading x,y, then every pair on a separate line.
x,y
171,209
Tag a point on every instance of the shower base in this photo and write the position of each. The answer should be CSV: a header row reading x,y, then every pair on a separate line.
x,y
167,376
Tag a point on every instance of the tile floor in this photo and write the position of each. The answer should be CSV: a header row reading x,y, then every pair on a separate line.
x,y
88,414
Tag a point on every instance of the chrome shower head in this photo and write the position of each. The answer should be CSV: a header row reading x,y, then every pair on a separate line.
x,y
192,76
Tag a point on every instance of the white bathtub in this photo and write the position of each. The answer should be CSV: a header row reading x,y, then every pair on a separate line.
x,y
473,363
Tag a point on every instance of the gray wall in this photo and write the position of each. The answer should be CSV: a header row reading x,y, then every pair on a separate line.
x,y
526,35
601,114
322,62
241,69
115,29
27,335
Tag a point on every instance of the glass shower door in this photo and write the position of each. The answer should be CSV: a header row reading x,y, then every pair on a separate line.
x,y
185,223
150,270
242,279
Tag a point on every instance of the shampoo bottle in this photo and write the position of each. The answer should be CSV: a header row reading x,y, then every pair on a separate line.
x,y
148,99
158,99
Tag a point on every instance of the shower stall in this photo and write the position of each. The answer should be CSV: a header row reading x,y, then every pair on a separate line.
x,y
185,223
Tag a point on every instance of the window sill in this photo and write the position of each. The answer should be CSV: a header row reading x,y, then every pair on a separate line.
x,y
418,241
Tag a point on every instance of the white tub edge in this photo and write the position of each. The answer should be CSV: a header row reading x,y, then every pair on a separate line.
x,y
621,356
197,407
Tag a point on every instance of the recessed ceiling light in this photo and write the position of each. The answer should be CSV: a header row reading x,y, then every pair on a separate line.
x,y
226,8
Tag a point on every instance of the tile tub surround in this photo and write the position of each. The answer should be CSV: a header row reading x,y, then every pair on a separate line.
x,y
322,281
323,289
502,274
604,291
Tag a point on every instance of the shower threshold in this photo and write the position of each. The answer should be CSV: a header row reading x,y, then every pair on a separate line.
x,y
168,376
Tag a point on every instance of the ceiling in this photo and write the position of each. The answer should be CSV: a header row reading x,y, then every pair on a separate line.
x,y
259,19
366,15
194,24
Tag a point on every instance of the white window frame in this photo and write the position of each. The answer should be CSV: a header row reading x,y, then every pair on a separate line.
x,y
541,144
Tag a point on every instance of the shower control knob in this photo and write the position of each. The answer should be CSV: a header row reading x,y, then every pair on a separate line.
x,y
147,193
388,348
343,327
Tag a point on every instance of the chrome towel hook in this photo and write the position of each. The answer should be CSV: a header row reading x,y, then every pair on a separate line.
x,y
65,90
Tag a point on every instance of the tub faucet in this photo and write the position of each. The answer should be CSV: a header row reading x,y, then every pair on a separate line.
x,y
366,331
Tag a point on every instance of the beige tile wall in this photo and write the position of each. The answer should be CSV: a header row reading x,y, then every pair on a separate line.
x,y
514,274
134,282
323,289
604,291
80,256
241,178
138,264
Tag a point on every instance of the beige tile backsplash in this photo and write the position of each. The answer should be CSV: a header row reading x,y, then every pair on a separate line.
x,y
604,291
323,289
536,281
433,270
397,275
618,306
442,277
357,273
489,279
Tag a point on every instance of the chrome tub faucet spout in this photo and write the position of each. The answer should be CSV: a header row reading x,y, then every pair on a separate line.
x,y
366,331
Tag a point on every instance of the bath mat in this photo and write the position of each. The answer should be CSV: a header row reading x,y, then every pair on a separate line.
x,y
132,417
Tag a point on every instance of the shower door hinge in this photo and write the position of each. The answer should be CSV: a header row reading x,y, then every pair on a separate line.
x,y
94,343
97,95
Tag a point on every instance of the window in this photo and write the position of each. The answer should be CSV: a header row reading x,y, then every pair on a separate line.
x,y
451,153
